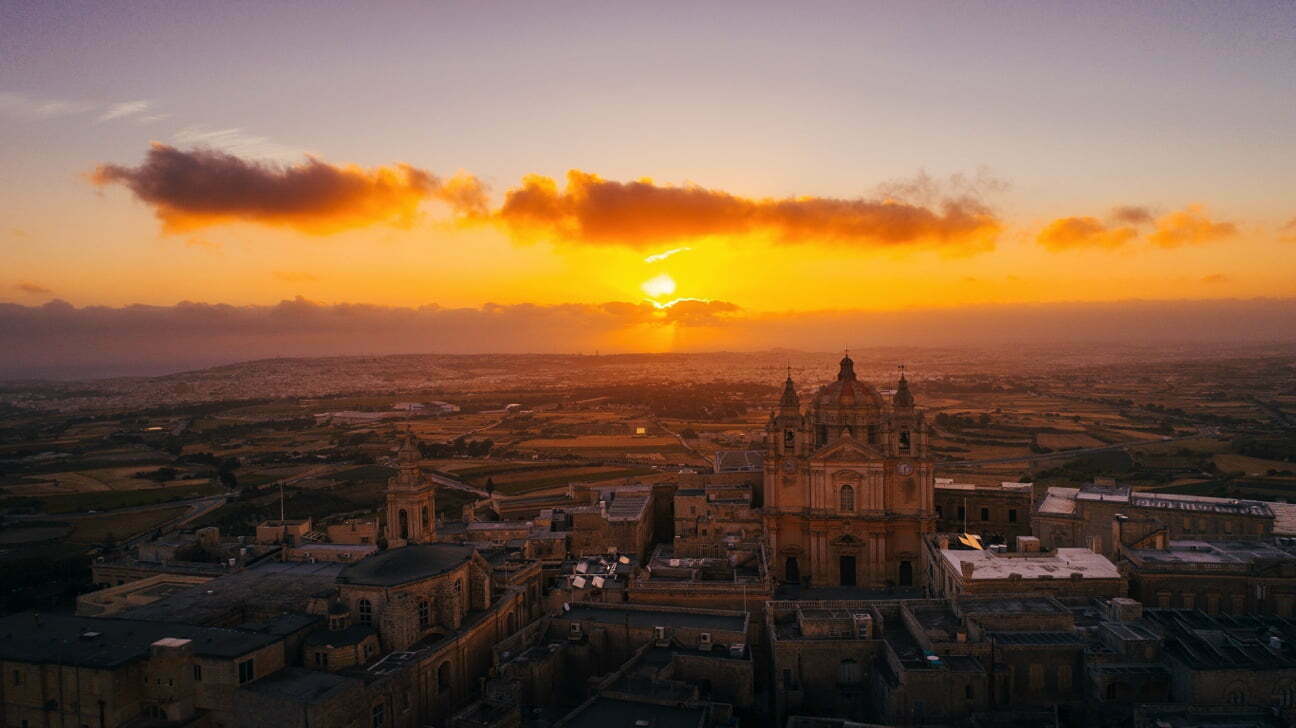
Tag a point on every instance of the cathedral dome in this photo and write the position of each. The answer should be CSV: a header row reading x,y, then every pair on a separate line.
x,y
847,394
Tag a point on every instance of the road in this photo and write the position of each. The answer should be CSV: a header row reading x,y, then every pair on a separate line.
x,y
1067,454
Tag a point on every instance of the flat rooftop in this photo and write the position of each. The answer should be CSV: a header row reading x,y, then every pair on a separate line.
x,y
1060,564
612,713
107,642
1188,552
270,586
299,685
664,617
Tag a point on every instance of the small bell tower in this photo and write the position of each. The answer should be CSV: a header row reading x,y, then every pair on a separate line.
x,y
411,499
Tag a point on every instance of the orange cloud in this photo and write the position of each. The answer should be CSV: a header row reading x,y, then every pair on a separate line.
x,y
1287,233
34,289
1070,233
1131,215
595,211
1215,278
201,187
1190,226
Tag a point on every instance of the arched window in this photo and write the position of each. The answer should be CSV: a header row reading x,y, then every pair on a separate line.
x,y
404,524
904,440
443,677
512,622
1237,694
848,673
847,498
425,518
364,608
425,614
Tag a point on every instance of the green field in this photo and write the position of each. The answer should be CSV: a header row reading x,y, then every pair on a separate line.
x,y
108,500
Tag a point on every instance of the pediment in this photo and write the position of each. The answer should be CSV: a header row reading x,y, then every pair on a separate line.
x,y
846,450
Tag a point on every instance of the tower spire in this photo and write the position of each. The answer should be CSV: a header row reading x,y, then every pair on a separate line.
x,y
903,397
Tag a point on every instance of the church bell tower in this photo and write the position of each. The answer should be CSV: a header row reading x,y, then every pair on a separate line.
x,y
411,499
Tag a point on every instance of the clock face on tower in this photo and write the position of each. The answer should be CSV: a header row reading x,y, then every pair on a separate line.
x,y
789,466
904,469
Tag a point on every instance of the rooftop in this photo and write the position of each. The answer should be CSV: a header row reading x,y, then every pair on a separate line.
x,y
299,685
1210,554
657,617
612,713
405,564
107,642
269,586
1061,564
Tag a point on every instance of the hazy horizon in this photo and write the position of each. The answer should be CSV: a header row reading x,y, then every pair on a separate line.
x,y
59,341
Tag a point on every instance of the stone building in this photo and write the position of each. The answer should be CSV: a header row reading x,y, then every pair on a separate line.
x,y
1074,572
1217,577
848,487
61,670
998,513
1083,516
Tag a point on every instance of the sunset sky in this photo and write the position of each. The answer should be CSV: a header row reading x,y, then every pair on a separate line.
x,y
767,158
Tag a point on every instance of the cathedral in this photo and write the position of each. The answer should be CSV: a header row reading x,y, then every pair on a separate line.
x,y
848,485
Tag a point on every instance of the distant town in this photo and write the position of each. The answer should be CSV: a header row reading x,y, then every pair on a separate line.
x,y
1049,536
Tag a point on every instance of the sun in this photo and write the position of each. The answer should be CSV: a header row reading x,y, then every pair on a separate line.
x,y
658,286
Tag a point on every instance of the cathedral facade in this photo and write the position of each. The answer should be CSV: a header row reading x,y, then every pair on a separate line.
x,y
848,486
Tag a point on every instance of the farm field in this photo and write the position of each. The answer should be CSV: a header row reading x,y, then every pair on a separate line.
x,y
97,529
1233,463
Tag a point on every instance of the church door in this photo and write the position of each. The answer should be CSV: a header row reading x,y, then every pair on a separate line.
x,y
848,571
792,572
404,524
906,573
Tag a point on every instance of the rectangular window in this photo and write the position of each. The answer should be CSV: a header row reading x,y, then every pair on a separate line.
x,y
939,514
985,514
197,673
379,716
246,671
1012,515
17,677
1037,677
962,513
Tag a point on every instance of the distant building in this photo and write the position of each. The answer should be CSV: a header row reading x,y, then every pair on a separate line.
x,y
1083,517
739,461
1218,577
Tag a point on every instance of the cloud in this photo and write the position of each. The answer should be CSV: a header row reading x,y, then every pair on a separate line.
x,y
58,339
1071,233
124,109
1190,226
26,108
193,189
1131,215
658,257
1287,233
1215,278
235,141
294,276
32,288
594,211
